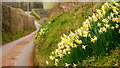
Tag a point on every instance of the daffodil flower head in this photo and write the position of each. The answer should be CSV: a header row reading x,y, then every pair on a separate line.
x,y
115,20
90,18
119,31
117,26
74,65
52,58
93,39
98,10
94,17
106,4
99,24
75,46
105,20
104,29
111,14
112,27
83,46
109,17
71,44
69,52
56,60
47,62
67,65
56,64
78,41
107,26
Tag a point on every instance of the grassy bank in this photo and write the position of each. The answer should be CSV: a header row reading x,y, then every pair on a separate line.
x,y
102,60
6,36
33,12
98,35
20,10
48,37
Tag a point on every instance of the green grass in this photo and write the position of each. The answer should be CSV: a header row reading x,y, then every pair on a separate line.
x,y
102,60
61,24
20,10
33,12
9,36
6,36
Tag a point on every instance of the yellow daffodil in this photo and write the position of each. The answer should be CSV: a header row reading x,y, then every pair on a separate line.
x,y
74,65
52,52
112,27
94,17
106,4
115,20
61,55
56,60
93,39
85,33
117,4
71,44
56,64
78,41
68,49
52,58
99,24
83,46
104,12
64,52
100,31
47,62
89,35
104,29
98,10
105,20
75,45
119,31
69,52
72,34
49,22
103,7
111,14
109,17
106,25
67,65
90,18
117,26
100,14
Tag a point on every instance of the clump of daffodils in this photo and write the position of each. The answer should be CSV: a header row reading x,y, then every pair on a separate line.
x,y
75,39
42,31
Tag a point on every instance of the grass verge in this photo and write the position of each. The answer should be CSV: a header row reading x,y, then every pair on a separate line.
x,y
33,12
20,10
7,37
57,26
102,60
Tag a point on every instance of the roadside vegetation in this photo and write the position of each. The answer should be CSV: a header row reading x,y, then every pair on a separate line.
x,y
20,10
33,12
8,36
101,60
80,37
47,38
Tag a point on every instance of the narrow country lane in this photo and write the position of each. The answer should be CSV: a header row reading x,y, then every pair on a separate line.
x,y
20,51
